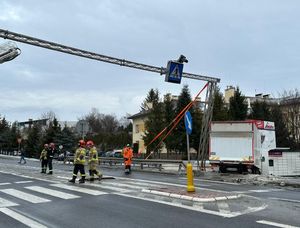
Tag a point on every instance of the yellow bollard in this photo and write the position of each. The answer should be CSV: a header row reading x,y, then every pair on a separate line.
x,y
190,177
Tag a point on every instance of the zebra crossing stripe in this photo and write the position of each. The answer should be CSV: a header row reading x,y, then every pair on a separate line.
x,y
6,203
21,218
6,183
24,196
79,189
52,192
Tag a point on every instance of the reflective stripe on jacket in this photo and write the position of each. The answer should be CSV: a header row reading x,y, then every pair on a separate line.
x,y
80,156
93,155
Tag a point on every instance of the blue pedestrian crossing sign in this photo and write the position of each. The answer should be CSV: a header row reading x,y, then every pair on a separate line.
x,y
174,72
188,122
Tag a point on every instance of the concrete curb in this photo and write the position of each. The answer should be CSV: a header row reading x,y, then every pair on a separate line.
x,y
190,198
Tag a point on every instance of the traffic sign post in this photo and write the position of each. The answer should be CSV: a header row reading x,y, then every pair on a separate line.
x,y
189,167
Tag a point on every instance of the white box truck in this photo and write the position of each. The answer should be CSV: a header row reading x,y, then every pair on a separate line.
x,y
241,145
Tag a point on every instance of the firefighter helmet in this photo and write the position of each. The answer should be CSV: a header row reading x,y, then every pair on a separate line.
x,y
90,143
81,142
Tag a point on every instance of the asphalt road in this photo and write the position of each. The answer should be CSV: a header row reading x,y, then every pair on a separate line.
x,y
31,199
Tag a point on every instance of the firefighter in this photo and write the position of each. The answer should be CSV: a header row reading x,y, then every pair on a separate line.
x,y
43,158
50,155
127,155
79,161
93,160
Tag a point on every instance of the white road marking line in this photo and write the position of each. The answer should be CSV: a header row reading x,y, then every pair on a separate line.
x,y
79,189
266,190
23,182
143,184
288,200
125,185
6,183
223,207
52,192
163,183
197,208
276,224
102,186
21,218
6,203
24,196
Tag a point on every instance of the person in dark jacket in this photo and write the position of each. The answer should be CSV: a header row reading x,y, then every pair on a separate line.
x,y
50,155
22,157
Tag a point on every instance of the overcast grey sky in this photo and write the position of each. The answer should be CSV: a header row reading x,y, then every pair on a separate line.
x,y
251,44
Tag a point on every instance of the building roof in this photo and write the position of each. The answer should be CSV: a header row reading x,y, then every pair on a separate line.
x,y
140,114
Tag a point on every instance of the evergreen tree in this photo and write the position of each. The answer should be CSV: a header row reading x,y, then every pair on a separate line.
x,y
169,115
220,112
53,132
33,143
237,106
68,139
260,111
154,123
4,134
180,131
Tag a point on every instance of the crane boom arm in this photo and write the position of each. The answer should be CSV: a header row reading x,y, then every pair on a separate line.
x,y
91,55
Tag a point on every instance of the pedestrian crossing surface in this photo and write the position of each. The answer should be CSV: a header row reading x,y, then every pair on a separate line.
x,y
37,192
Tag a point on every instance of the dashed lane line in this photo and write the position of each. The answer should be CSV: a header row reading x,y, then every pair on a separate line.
x,y
6,183
21,218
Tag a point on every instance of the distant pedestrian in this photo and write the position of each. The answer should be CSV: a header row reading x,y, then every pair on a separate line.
x,y
43,158
79,162
127,155
22,157
50,155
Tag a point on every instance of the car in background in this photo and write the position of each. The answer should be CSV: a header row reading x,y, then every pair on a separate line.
x,y
61,156
117,154
101,154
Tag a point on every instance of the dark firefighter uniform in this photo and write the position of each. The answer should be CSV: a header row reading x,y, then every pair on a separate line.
x,y
50,155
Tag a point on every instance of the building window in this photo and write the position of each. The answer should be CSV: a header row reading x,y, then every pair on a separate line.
x,y
137,130
271,162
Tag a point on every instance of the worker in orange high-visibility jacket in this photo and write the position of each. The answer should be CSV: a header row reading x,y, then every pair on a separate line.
x,y
127,155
